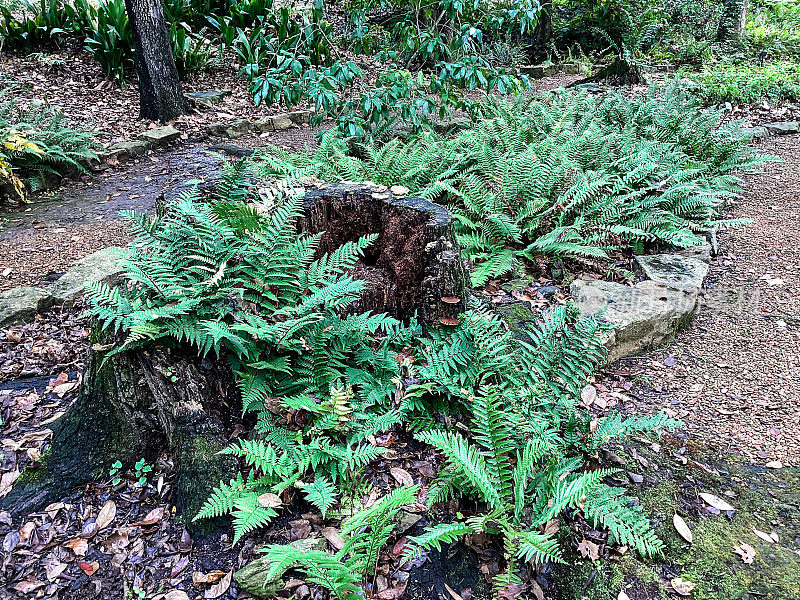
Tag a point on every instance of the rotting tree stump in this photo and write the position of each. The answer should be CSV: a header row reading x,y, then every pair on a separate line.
x,y
139,404
620,72
145,402
414,266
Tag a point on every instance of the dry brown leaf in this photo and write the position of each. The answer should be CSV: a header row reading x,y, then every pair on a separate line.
x,y
7,481
589,550
681,586
79,546
402,476
716,502
106,515
176,595
452,593
682,527
333,536
536,589
765,536
215,591
774,464
622,596
29,585
199,577
270,500
153,517
54,569
746,551
588,395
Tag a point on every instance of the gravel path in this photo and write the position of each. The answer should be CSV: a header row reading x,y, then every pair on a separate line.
x,y
734,376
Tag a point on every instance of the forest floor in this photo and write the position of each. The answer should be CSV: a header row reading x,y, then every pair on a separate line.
x,y
732,378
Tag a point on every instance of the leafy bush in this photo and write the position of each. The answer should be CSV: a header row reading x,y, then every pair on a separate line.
x,y
773,26
35,143
570,175
748,84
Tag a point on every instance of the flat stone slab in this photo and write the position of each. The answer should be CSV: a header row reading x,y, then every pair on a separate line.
x,y
160,135
132,148
783,127
674,270
208,98
100,267
644,316
21,305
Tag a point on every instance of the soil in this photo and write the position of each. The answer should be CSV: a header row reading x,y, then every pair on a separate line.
x,y
734,376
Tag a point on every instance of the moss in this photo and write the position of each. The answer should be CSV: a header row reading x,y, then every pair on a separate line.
x,y
764,500
37,475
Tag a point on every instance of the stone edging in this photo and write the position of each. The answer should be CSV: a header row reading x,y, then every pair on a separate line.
x,y
649,313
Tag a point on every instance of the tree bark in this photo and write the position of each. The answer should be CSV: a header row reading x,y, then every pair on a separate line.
x,y
543,34
414,266
732,22
160,93
134,405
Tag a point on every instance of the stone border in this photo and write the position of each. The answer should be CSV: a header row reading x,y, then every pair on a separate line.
x,y
649,313
280,122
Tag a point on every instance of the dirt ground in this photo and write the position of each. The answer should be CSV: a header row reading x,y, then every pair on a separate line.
x,y
734,376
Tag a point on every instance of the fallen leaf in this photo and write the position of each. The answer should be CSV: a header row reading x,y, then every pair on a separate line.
x,y
402,476
452,593
89,568
79,546
29,585
716,502
333,536
199,577
588,395
106,515
589,550
683,587
622,596
765,536
10,541
7,481
153,517
746,551
54,569
176,595
220,588
682,527
774,464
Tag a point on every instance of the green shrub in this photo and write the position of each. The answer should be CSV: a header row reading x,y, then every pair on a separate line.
x,y
569,175
748,84
35,144
773,26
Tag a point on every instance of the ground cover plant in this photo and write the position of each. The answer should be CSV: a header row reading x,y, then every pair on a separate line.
x,y
249,289
34,144
571,175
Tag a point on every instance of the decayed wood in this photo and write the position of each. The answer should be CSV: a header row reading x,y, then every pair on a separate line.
x,y
138,404
414,266
161,95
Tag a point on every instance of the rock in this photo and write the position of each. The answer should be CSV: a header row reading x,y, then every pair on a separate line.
x,y
676,271
132,148
281,122
539,71
644,316
22,304
100,267
301,117
518,317
575,68
252,578
592,88
209,98
757,133
783,127
238,128
548,291
699,252
160,136
232,150
405,520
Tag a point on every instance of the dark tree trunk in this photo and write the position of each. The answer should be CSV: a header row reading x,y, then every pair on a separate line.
x,y
135,405
732,22
414,266
161,96
543,34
